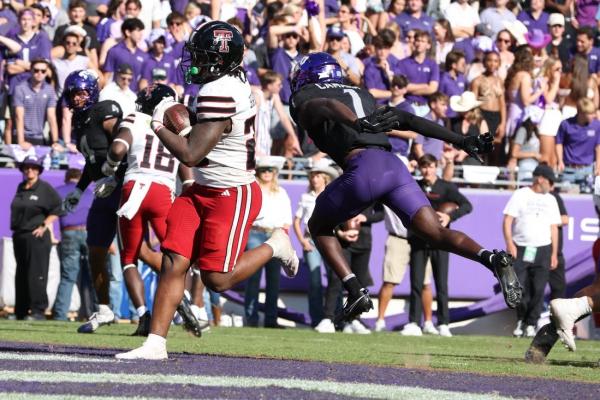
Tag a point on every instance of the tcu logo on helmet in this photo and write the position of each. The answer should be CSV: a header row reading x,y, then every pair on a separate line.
x,y
222,38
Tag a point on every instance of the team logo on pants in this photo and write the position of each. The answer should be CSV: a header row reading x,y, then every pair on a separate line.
x,y
222,37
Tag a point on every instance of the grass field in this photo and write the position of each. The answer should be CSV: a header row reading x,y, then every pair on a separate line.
x,y
488,355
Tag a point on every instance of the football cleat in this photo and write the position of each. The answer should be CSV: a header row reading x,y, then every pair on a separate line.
x,y
564,313
104,316
541,344
143,328
354,307
190,322
505,272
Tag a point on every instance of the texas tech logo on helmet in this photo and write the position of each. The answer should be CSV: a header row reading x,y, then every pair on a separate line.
x,y
222,38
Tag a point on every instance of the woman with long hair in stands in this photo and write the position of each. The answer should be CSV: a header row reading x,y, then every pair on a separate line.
x,y
551,117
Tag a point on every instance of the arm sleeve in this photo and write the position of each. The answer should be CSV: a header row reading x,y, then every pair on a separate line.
x,y
410,122
375,214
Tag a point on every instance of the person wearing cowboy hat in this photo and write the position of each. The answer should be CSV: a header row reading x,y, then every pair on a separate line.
x,y
470,121
35,206
319,176
276,213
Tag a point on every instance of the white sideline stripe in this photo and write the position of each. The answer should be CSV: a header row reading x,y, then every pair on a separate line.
x,y
51,357
369,390
34,396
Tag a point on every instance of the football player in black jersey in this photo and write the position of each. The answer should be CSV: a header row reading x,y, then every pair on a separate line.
x,y
343,121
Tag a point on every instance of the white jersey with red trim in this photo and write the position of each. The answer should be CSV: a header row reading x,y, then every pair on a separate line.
x,y
147,158
231,162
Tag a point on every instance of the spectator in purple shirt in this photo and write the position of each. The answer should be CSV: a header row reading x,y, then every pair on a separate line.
x,y
284,58
115,12
414,18
8,19
452,82
585,13
400,140
438,105
422,73
73,246
33,45
535,17
578,144
127,52
584,45
380,69
34,102
157,59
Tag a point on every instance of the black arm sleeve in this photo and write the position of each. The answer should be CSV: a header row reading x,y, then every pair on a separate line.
x,y
464,205
376,214
411,122
85,179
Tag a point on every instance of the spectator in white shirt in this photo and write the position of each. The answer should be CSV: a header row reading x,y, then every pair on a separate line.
x,y
119,91
531,221
463,18
276,213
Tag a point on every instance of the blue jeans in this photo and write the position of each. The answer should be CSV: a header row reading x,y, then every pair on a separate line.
x,y
73,252
273,273
584,177
315,289
115,291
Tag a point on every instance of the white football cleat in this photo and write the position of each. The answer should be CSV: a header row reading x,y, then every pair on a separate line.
x,y
564,313
530,331
145,352
104,316
283,251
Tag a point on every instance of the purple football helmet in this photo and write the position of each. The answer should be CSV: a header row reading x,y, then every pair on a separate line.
x,y
316,68
84,79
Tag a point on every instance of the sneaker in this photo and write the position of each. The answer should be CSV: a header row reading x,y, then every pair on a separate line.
x,y
325,326
541,344
145,352
504,271
444,330
226,321
564,313
411,329
380,325
529,331
143,328
190,322
429,328
356,327
354,307
518,332
283,251
104,316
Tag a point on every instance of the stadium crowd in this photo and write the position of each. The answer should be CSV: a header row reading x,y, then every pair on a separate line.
x,y
528,72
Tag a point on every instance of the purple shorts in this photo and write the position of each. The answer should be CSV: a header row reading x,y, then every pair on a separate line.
x,y
373,175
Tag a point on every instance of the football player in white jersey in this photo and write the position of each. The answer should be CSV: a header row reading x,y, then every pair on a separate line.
x,y
210,222
147,196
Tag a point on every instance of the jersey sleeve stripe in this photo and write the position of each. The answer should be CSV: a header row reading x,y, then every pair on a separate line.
x,y
215,99
215,110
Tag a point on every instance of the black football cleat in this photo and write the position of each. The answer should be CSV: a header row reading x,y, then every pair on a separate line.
x,y
143,328
505,272
541,344
354,307
190,322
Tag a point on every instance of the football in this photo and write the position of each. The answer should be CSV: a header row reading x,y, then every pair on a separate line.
x,y
177,119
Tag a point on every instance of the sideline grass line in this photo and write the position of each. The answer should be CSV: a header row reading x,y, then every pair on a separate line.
x,y
33,396
52,357
365,390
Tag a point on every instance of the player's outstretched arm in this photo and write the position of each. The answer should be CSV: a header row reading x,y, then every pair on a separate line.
x,y
117,151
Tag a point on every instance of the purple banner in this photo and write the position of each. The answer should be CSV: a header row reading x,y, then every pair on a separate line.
x,y
467,279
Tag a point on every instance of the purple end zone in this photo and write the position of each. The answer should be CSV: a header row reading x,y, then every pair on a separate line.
x,y
187,364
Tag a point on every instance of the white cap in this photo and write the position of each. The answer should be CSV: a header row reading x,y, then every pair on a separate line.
x,y
556,19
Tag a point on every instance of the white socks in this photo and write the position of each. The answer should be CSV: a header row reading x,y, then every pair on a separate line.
x,y
141,311
156,341
199,312
583,306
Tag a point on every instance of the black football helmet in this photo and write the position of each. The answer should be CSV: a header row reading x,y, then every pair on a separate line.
x,y
213,50
148,98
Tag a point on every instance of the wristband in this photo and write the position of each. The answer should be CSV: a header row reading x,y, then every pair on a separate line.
x,y
111,162
122,141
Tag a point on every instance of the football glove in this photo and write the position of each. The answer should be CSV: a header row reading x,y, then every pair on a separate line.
x,y
476,145
159,113
71,200
382,119
110,167
105,187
